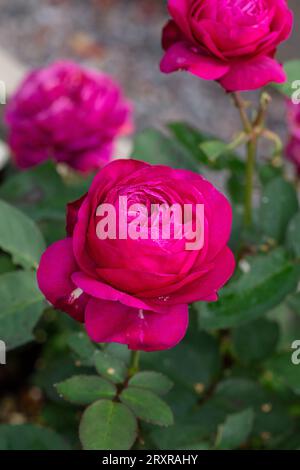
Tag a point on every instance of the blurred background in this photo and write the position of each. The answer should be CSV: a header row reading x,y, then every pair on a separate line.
x,y
121,37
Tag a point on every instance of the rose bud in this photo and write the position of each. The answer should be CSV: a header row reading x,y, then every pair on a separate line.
x,y
231,41
69,114
136,290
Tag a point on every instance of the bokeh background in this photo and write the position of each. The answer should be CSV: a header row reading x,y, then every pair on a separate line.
x,y
122,37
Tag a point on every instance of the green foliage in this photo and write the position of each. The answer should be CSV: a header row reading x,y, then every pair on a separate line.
x,y
110,366
266,282
154,147
256,340
235,431
200,353
30,437
292,69
41,192
147,406
20,237
106,425
22,305
153,381
279,203
82,347
85,389
282,367
293,236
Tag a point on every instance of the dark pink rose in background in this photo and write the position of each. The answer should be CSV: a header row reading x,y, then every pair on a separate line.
x,y
67,113
136,292
231,41
293,146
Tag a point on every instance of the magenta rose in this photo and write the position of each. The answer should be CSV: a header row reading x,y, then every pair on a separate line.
x,y
67,113
231,41
293,146
137,291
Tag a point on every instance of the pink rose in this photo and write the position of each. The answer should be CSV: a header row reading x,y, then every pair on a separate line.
x,y
137,292
293,146
67,113
231,41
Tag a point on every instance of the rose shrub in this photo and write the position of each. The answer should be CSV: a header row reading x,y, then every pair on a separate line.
x,y
293,145
231,41
67,113
137,292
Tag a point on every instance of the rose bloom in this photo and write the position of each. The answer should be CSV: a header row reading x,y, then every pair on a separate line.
x,y
293,146
231,41
67,113
136,292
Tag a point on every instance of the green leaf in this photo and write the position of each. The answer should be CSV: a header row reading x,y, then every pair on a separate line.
x,y
293,236
292,69
236,394
202,355
279,203
111,367
41,192
106,425
267,172
153,147
256,340
30,437
147,406
293,302
153,381
85,389
204,148
20,237
121,351
21,307
179,436
265,283
6,264
283,368
235,431
82,346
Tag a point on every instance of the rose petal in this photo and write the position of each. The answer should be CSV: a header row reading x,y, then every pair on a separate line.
x,y
107,322
179,10
72,211
253,74
54,279
96,288
181,57
199,286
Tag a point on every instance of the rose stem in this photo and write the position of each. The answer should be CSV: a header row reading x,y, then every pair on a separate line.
x,y
250,168
251,154
134,364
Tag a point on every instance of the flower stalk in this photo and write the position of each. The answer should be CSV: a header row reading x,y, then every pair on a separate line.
x,y
134,364
250,130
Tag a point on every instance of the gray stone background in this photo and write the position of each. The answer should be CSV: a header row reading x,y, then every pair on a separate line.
x,y
122,37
